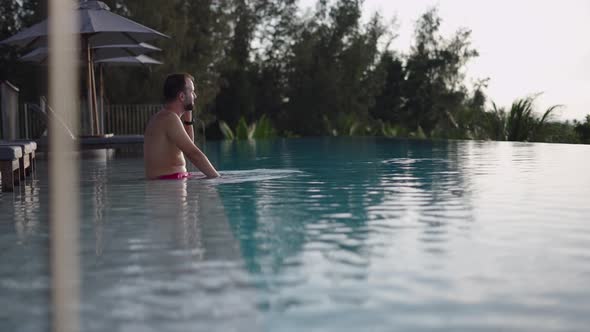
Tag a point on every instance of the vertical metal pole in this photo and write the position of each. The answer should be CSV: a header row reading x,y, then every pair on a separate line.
x,y
63,167
26,110
94,102
101,73
89,84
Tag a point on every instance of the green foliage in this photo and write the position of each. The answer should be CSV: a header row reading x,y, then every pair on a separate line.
x,y
199,31
389,99
325,73
561,132
242,130
389,130
261,129
332,71
226,130
521,123
264,128
434,87
15,15
583,130
343,125
419,133
494,124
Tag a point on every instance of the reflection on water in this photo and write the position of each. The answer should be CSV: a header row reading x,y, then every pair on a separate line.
x,y
168,245
320,234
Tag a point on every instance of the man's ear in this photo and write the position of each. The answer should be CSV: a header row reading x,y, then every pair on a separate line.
x,y
182,96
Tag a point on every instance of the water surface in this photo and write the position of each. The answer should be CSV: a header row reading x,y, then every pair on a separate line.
x,y
360,234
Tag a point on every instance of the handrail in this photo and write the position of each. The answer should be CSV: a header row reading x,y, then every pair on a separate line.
x,y
119,119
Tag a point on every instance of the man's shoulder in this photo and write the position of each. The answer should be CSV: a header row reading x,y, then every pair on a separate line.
x,y
164,114
159,122
165,117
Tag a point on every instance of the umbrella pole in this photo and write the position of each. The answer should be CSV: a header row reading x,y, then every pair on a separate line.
x,y
101,73
89,85
94,102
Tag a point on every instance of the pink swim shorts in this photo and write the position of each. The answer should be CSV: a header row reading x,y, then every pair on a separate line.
x,y
175,176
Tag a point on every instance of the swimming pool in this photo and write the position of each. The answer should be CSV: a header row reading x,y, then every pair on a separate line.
x,y
319,234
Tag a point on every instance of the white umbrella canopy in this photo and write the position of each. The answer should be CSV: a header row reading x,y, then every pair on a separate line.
x,y
40,55
98,26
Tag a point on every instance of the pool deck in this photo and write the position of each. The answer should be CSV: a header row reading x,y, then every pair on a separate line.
x,y
108,141
18,157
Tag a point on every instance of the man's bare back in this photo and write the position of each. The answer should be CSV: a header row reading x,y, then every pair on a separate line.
x,y
167,140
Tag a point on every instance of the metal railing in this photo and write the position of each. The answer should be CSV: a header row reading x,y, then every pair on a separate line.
x,y
128,119
8,110
118,119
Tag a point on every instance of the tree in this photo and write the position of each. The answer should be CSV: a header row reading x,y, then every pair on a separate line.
x,y
389,101
332,76
9,25
15,15
434,74
583,130
199,31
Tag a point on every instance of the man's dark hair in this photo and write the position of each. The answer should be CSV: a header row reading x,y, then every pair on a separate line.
x,y
174,84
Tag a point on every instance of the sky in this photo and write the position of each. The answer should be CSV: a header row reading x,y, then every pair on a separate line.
x,y
525,46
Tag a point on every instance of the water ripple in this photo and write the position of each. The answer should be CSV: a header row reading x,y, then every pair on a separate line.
x,y
320,235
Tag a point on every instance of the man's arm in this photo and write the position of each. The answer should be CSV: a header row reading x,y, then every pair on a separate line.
x,y
181,139
188,116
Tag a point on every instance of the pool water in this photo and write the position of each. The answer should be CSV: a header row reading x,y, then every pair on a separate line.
x,y
321,234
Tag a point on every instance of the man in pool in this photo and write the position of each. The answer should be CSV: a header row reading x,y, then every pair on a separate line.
x,y
169,135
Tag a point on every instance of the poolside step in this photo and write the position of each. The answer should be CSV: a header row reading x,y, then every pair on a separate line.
x,y
108,141
24,165
10,166
28,162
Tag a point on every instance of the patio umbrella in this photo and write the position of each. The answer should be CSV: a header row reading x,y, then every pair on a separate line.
x,y
98,27
40,55
106,54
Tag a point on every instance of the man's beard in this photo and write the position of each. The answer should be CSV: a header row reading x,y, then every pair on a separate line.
x,y
189,107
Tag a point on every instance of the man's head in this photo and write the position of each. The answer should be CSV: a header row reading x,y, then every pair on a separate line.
x,y
180,88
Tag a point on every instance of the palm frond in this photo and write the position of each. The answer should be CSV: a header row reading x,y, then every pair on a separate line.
x,y
226,130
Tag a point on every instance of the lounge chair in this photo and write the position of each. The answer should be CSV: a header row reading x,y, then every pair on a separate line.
x,y
28,161
10,166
